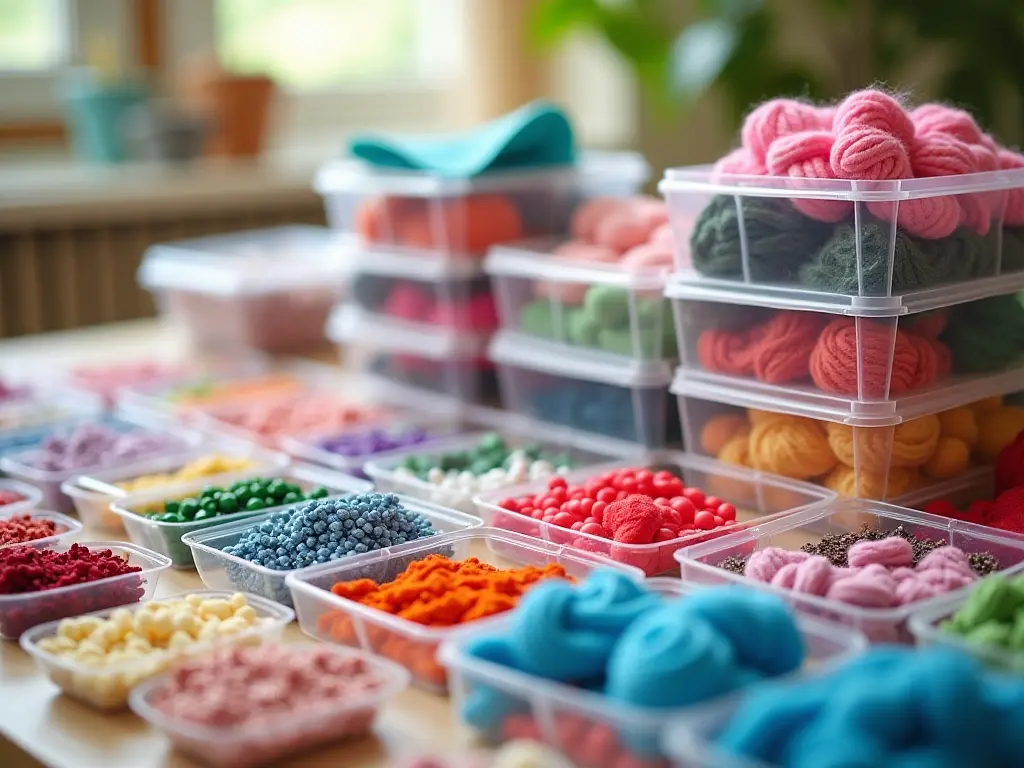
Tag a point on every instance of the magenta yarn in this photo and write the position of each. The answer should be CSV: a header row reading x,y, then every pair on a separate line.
x,y
773,120
805,155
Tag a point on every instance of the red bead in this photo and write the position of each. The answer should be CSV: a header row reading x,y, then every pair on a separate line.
x,y
696,495
551,511
597,511
712,503
577,525
572,507
684,508
594,529
512,505
662,502
585,506
537,514
665,534
704,520
607,495
644,476
557,482
621,495
727,511
719,521
563,519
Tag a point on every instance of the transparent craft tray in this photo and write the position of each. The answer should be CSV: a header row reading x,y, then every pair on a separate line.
x,y
66,527
31,497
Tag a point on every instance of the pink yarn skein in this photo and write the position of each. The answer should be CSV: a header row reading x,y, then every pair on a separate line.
x,y
763,564
873,138
805,155
930,119
1013,215
893,551
774,120
740,161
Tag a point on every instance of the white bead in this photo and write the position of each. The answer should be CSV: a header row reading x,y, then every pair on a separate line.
x,y
467,478
435,475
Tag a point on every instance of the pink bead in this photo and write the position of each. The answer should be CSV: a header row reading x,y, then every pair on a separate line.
x,y
893,551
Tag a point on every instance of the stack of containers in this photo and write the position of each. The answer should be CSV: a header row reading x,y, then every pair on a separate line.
x,y
422,309
823,337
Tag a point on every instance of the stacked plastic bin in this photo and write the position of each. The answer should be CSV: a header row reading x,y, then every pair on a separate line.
x,y
422,310
821,340
268,290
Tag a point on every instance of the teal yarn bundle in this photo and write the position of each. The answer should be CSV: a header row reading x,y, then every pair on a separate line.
x,y
985,335
779,238
897,707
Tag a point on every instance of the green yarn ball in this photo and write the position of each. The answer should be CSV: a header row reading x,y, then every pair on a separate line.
x,y
985,335
608,305
779,238
538,318
583,330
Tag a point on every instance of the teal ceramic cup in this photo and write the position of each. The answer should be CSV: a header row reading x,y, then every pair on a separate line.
x,y
95,115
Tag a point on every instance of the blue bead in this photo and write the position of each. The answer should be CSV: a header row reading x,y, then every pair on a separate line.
x,y
360,549
283,561
335,527
348,525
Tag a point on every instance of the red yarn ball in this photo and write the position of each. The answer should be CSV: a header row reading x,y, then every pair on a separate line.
x,y
1009,465
1008,511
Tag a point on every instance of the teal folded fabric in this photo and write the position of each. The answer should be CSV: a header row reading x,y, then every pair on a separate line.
x,y
536,135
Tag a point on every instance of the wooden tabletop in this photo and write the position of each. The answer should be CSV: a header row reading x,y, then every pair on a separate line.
x,y
42,726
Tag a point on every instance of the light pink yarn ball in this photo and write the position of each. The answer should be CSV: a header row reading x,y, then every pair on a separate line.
x,y
894,551
938,118
773,120
813,576
765,563
876,110
805,155
869,154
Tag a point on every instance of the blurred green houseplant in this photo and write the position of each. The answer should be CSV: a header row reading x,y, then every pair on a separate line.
x,y
735,46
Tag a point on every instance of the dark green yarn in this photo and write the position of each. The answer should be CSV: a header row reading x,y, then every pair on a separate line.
x,y
779,238
985,335
371,291
916,263
1013,249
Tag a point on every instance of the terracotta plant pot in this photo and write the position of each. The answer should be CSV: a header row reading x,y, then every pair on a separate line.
x,y
237,108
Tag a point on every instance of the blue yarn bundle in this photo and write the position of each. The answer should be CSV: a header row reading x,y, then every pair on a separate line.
x,y
611,635
893,706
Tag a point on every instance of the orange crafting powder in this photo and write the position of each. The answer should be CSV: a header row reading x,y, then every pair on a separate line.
x,y
438,592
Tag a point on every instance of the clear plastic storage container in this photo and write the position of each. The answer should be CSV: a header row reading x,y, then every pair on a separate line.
x,y
587,727
446,294
65,527
412,363
21,612
267,289
700,564
94,493
333,619
166,537
757,497
849,358
37,408
925,626
602,307
884,453
854,243
390,475
253,744
440,217
108,687
30,497
582,390
220,570
19,465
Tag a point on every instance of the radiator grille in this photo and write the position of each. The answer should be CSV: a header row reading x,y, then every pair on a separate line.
x,y
75,274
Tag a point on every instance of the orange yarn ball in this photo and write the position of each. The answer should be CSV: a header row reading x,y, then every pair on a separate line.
x,y
722,429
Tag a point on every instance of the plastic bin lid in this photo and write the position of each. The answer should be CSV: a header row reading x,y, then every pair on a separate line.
x,y
254,262
533,259
750,393
426,266
348,324
695,287
523,351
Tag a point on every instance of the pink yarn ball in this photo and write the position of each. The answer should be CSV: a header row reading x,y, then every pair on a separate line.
x,y
785,577
805,155
915,589
1014,212
864,591
929,217
650,255
663,234
941,155
945,579
902,574
773,120
877,110
894,551
949,557
589,214
765,563
869,154
740,162
813,576
825,116
938,118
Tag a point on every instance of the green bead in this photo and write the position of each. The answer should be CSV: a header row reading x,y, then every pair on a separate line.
x,y
227,503
208,492
188,508
291,498
170,517
204,514
270,501
256,490
490,442
242,494
210,505
1016,639
172,507
275,488
319,493
254,503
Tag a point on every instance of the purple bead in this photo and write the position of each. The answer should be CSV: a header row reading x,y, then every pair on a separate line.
x,y
375,440
93,445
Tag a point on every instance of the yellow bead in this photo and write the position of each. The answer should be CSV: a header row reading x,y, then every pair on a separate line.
x,y
238,600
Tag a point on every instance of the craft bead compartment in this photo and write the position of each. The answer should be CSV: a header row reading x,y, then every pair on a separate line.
x,y
848,359
438,218
66,527
166,538
93,505
756,496
550,705
333,619
53,604
220,570
31,497
543,382
838,240
593,306
231,291
699,564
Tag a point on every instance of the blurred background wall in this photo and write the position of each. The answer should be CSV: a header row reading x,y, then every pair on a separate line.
x,y
127,122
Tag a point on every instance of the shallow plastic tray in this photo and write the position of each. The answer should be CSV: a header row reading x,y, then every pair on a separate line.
x,y
858,451
66,527
32,497
231,291
107,688
219,570
93,494
252,745
49,482
753,233
410,363
439,217
333,619
699,563
19,613
561,716
166,537
382,468
839,360
44,405
601,307
581,389
757,497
